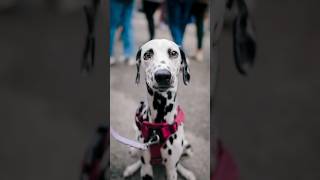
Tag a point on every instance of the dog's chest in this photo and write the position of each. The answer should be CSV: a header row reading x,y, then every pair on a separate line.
x,y
170,147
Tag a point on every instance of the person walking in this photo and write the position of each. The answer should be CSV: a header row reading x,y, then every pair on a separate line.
x,y
149,8
121,12
198,11
178,18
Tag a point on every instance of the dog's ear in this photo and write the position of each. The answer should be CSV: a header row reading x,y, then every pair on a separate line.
x,y
138,62
244,44
184,67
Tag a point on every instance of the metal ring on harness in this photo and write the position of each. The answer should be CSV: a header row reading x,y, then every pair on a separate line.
x,y
151,142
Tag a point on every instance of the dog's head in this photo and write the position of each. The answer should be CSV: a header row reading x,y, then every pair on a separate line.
x,y
162,61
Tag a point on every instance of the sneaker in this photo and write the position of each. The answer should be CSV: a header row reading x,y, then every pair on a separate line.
x,y
131,61
122,59
112,60
198,56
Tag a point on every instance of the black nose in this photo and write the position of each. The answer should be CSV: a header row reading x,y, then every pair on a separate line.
x,y
163,77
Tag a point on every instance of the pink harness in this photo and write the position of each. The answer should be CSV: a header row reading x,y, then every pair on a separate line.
x,y
163,130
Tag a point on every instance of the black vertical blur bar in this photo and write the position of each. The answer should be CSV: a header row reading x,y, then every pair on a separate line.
x,y
213,77
105,7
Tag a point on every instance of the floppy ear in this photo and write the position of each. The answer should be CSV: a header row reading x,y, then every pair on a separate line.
x,y
185,68
244,44
138,62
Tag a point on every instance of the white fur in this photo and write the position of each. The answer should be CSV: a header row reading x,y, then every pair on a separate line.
x,y
178,147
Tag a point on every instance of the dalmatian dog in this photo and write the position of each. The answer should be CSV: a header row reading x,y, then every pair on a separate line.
x,y
162,61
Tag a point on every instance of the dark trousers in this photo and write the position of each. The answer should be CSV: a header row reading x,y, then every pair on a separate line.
x,y
178,17
149,8
198,11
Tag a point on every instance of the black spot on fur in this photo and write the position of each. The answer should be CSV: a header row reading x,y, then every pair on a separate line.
x,y
147,177
164,146
175,116
175,96
188,146
141,107
177,164
169,108
184,155
169,95
159,103
182,142
171,139
142,160
169,152
150,91
165,160
175,136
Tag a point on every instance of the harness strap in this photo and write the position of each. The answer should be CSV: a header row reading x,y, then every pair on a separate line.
x,y
164,130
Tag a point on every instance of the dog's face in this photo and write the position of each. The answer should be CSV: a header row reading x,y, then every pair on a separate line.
x,y
162,61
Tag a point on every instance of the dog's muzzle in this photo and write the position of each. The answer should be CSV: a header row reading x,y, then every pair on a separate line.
x,y
163,78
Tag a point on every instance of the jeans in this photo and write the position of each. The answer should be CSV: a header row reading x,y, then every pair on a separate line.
x,y
178,17
149,9
198,11
121,15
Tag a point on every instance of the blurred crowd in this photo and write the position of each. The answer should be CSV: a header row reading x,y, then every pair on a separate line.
x,y
176,14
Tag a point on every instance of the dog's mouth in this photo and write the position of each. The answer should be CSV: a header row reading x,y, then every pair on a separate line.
x,y
163,88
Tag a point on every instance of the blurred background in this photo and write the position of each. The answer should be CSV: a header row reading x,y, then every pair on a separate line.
x,y
269,120
125,95
49,112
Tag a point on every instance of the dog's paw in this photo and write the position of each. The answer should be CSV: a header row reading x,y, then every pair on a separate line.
x,y
130,170
187,174
127,172
191,176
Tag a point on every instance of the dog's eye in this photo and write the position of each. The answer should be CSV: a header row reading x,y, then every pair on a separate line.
x,y
148,55
172,53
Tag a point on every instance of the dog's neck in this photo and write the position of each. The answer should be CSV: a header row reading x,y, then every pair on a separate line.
x,y
162,106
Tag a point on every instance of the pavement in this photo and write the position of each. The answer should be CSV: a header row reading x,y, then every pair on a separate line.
x,y
125,96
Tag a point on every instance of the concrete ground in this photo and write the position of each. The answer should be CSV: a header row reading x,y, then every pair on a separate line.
x,y
125,96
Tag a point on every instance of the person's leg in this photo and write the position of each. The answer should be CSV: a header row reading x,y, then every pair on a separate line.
x,y
149,9
127,33
174,10
185,15
115,14
199,16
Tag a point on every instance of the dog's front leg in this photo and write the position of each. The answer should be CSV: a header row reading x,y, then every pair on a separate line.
x,y
146,168
171,171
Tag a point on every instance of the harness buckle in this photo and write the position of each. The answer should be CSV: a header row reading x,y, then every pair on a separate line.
x,y
155,139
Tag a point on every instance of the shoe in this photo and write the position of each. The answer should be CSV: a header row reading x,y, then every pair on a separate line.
x,y
122,59
112,60
198,56
131,61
